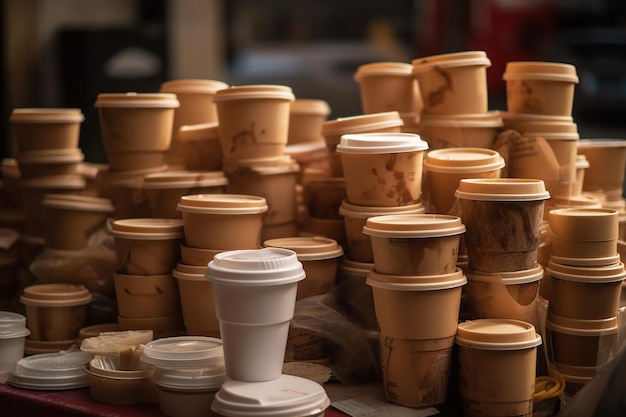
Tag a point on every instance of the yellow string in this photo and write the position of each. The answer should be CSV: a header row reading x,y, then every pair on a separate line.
x,y
548,387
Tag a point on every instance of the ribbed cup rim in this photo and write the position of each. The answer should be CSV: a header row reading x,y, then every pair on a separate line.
x,y
362,123
258,91
454,59
147,228
222,204
400,69
587,274
497,334
524,276
414,226
383,142
463,160
502,189
364,212
184,179
416,282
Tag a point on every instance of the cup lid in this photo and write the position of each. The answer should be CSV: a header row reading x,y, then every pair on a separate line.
x,y
111,343
350,264
191,85
584,200
476,120
46,115
497,334
308,248
603,261
199,131
78,202
207,378
184,351
592,274
384,142
583,144
256,267
126,178
147,228
502,189
222,204
184,179
582,223
581,327
12,325
416,282
50,156
283,164
535,70
400,69
285,396
414,226
582,162
52,295
260,91
309,106
549,135
132,99
463,160
34,347
365,212
51,371
362,123
189,272
508,278
59,182
534,117
454,59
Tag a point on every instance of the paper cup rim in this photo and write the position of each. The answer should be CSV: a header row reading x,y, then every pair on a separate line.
x,y
46,115
484,334
254,91
525,276
614,273
192,86
452,280
519,189
450,60
137,100
380,142
420,225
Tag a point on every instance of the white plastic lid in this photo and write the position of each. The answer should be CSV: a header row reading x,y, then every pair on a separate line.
x,y
382,142
502,189
308,248
184,351
12,325
46,115
122,100
414,226
286,396
222,204
147,228
463,160
497,334
256,267
261,91
193,379
52,371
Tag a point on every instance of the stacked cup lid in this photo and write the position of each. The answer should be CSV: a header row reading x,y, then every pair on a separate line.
x,y
52,371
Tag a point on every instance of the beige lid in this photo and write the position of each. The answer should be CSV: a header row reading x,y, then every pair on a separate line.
x,y
309,106
189,272
199,131
147,228
606,260
581,161
588,224
508,278
78,202
414,226
454,59
477,120
416,282
535,70
364,212
549,127
400,69
584,200
383,142
46,115
282,164
157,100
53,295
125,178
552,135
184,179
308,248
350,264
463,160
533,117
601,143
199,86
502,189
581,327
50,156
591,274
244,92
497,334
362,123
222,204
58,182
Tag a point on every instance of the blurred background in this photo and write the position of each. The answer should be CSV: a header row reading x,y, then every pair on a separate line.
x,y
63,53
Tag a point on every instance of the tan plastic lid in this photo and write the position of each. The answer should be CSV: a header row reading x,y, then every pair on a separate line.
x,y
199,86
400,69
550,135
147,228
184,179
307,248
533,117
222,204
349,264
191,269
581,327
584,200
581,161
59,182
46,115
362,123
364,212
602,143
157,100
497,334
55,295
454,59
478,120
607,260
414,226
589,224
50,156
189,272
383,142
591,274
416,282
463,160
309,106
534,70
245,92
126,178
78,202
502,189
282,164
508,278
200,131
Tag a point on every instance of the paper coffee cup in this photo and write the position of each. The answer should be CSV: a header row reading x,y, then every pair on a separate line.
x,y
460,130
196,301
306,117
49,162
40,128
607,162
199,146
388,86
144,296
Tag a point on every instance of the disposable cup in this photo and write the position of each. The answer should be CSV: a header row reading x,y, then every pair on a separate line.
x,y
534,122
306,117
581,167
503,219
89,171
196,256
110,385
310,156
359,244
143,296
163,190
200,146
281,230
45,128
354,296
253,120
55,312
10,187
322,196
13,334
444,168
540,87
460,130
382,169
437,297
330,228
415,244
607,162
388,86
222,221
333,130
161,326
73,219
49,162
196,300
585,292
274,179
454,83
504,295
255,294
95,330
497,353
583,201
55,371
148,246
584,343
